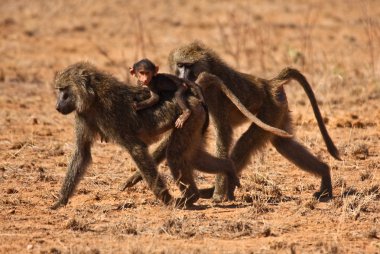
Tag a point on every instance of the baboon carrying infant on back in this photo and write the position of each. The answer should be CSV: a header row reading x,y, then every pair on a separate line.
x,y
103,107
222,85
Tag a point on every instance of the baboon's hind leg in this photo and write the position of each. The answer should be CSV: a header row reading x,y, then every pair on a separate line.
x,y
180,153
223,143
158,156
301,157
183,177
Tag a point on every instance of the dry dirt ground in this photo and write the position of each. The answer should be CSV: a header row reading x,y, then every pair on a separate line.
x,y
336,44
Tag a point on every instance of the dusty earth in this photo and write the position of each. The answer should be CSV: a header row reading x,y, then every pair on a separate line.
x,y
334,43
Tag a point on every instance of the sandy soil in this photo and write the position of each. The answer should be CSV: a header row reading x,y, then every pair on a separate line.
x,y
334,43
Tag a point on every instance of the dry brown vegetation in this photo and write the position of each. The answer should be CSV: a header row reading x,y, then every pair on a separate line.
x,y
336,44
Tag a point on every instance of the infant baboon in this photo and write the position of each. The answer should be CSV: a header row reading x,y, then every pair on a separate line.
x,y
104,106
147,75
266,98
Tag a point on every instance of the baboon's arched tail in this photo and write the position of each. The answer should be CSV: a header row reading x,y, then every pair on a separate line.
x,y
288,74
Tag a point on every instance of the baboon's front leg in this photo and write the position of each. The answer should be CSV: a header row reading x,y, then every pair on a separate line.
x,y
78,164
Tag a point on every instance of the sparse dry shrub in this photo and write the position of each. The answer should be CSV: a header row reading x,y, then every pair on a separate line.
x,y
127,228
307,206
43,177
172,226
258,206
358,203
235,228
177,226
366,175
77,225
311,204
11,191
360,151
267,231
338,202
301,187
52,250
240,228
353,201
340,183
126,205
278,245
22,144
373,234
332,249
349,191
353,206
261,192
373,190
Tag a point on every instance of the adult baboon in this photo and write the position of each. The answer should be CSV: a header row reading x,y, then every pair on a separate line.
x,y
266,98
104,106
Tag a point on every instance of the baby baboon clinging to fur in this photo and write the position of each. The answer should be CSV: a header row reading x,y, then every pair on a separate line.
x,y
220,84
104,106
147,75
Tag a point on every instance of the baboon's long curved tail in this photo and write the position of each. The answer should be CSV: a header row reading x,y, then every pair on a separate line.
x,y
210,78
285,76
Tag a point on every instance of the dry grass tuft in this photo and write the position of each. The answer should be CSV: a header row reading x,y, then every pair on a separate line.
x,y
127,228
261,190
360,151
178,226
76,225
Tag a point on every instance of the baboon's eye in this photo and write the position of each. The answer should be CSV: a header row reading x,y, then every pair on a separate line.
x,y
65,96
180,65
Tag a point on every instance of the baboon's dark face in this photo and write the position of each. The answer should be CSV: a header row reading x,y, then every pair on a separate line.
x,y
184,70
190,60
65,100
75,91
190,70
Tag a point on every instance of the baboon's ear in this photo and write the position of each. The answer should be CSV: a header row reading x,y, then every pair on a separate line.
x,y
156,69
85,77
132,71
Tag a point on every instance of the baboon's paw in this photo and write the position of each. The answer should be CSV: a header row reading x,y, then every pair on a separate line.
x,y
57,205
217,198
323,195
